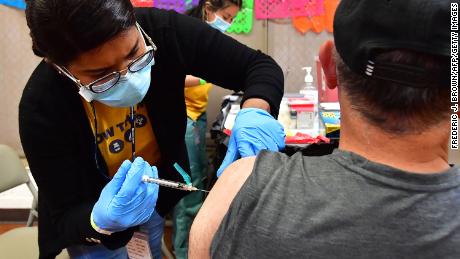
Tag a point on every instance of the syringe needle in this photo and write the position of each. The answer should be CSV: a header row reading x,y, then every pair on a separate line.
x,y
196,189
170,184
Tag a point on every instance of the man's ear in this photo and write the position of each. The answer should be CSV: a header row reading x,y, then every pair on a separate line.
x,y
328,63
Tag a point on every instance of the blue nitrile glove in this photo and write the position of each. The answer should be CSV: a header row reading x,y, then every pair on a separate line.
x,y
126,201
254,130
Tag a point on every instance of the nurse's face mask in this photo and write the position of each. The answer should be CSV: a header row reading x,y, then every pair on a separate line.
x,y
124,88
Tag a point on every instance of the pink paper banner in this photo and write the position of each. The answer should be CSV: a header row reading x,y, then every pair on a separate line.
x,y
276,9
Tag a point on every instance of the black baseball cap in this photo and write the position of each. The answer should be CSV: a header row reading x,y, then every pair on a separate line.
x,y
365,28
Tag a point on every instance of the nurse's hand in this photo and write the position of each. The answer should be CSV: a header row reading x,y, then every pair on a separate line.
x,y
254,130
126,201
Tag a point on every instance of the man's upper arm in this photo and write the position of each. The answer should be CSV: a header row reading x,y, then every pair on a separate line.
x,y
216,206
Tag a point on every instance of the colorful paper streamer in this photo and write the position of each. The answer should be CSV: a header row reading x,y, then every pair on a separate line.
x,y
317,23
278,9
244,19
142,3
179,6
20,4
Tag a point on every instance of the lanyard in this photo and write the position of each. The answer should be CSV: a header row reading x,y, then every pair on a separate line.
x,y
133,133
132,115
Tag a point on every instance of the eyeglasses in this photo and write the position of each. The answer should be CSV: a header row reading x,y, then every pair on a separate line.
x,y
108,81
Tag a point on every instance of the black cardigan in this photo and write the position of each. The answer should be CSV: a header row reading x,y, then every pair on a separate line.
x,y
58,140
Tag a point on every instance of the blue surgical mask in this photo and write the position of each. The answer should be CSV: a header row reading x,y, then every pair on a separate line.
x,y
130,89
220,24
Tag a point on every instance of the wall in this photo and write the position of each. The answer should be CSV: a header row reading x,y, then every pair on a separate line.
x,y
16,64
293,51
290,49
257,39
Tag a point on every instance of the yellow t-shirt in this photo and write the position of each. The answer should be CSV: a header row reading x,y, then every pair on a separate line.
x,y
114,134
196,100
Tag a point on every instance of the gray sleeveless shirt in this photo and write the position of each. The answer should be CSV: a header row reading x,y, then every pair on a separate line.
x,y
340,206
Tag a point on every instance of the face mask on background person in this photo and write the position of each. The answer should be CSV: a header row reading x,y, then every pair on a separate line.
x,y
220,24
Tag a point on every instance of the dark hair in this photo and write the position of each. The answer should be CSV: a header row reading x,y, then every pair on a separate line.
x,y
63,29
392,107
199,10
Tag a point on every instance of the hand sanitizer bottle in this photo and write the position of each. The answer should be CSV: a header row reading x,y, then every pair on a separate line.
x,y
310,92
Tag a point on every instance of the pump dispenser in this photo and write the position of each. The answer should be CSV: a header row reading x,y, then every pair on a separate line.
x,y
308,76
310,92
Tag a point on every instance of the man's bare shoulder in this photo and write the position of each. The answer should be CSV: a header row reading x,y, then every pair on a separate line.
x,y
216,206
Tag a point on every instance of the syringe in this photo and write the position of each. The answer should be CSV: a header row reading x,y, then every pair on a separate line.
x,y
170,184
